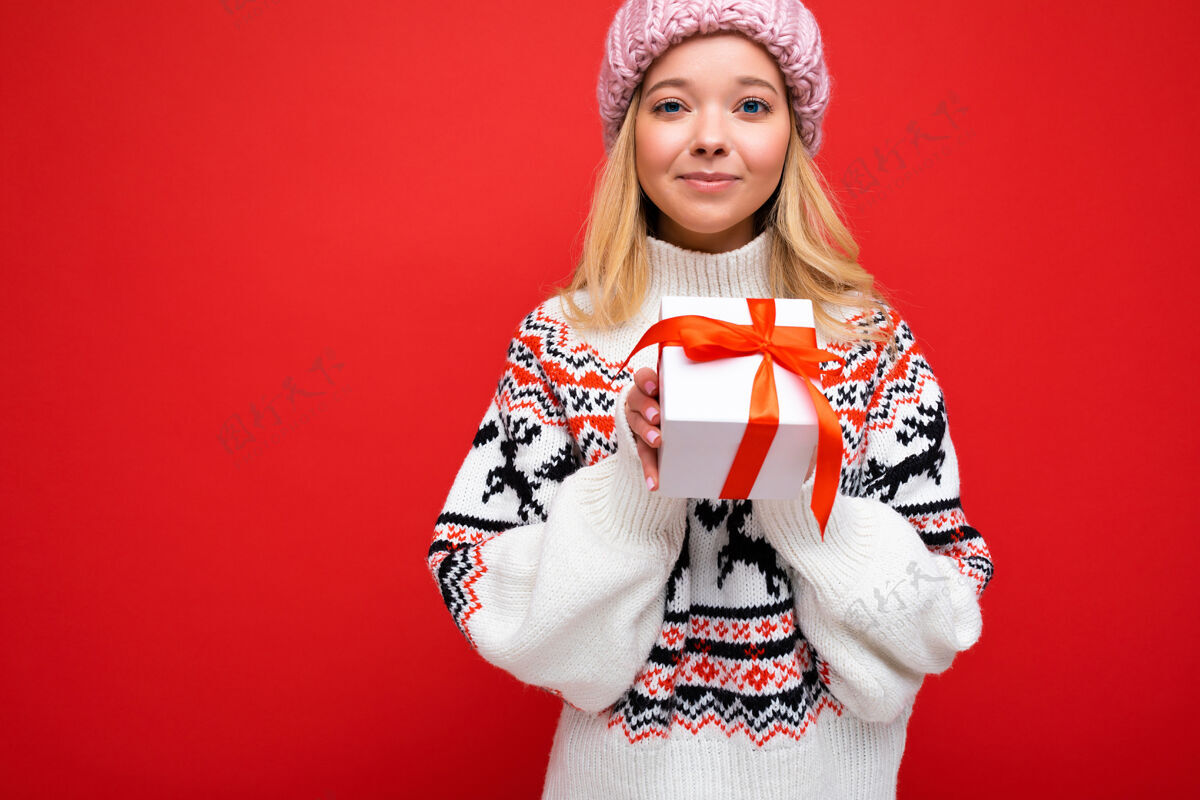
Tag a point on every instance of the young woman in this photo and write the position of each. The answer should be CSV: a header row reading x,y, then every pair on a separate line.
x,y
711,648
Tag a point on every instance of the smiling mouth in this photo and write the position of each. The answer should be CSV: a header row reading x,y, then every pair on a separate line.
x,y
709,183
708,177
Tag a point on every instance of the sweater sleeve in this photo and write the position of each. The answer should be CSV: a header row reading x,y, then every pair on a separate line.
x,y
554,571
892,593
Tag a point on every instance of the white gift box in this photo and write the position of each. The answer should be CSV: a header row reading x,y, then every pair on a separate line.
x,y
705,407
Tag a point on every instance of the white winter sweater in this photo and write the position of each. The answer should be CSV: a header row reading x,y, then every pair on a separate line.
x,y
708,648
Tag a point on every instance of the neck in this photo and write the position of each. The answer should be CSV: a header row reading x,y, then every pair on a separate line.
x,y
740,234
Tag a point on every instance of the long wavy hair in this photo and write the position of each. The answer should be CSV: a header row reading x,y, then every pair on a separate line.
x,y
813,255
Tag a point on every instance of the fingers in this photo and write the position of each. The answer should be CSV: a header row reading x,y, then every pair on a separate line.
x,y
649,458
644,418
647,380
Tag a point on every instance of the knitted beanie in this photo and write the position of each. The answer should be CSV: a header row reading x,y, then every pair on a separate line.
x,y
644,29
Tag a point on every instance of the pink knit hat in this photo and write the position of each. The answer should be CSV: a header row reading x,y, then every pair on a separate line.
x,y
644,29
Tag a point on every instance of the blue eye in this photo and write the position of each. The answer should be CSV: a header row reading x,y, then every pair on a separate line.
x,y
755,106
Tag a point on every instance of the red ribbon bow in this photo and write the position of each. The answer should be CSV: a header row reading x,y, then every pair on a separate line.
x,y
794,349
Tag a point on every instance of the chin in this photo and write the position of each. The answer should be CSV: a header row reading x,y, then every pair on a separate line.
x,y
709,227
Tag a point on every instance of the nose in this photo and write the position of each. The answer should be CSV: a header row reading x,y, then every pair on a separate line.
x,y
710,137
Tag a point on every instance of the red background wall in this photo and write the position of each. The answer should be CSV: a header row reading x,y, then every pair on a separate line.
x,y
261,259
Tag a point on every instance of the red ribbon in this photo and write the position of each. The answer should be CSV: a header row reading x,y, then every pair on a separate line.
x,y
794,349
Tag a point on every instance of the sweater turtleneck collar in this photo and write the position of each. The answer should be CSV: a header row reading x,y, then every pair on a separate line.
x,y
744,272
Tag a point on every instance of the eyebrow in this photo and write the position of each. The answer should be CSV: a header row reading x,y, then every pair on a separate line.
x,y
744,80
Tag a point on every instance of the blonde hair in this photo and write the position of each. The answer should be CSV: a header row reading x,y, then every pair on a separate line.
x,y
813,255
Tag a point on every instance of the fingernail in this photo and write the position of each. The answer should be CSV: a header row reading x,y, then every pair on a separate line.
x,y
650,483
651,387
652,437
652,413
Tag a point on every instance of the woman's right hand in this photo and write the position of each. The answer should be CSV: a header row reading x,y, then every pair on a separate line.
x,y
642,412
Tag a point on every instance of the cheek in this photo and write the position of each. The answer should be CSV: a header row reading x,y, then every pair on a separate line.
x,y
766,156
656,150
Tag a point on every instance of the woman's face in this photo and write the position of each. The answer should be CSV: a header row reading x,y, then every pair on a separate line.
x,y
711,104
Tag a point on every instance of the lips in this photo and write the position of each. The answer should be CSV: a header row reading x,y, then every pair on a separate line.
x,y
709,182
708,176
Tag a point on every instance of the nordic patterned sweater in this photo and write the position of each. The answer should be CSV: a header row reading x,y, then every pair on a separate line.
x,y
708,648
